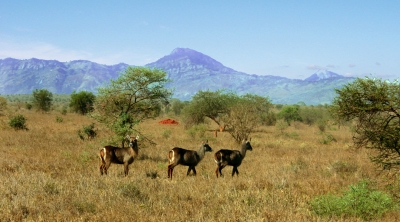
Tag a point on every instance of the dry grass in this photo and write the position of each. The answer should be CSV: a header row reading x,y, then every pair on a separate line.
x,y
49,174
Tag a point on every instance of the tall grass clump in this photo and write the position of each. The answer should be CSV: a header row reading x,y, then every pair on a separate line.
x,y
359,201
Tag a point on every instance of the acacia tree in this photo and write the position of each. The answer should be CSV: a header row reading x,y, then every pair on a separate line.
x,y
212,105
245,115
82,102
42,99
136,95
374,106
239,114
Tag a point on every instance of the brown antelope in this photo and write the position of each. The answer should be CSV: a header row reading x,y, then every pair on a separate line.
x,y
231,157
111,154
180,156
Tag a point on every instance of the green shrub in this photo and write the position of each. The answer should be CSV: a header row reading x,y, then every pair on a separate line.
x,y
87,132
359,201
28,106
18,122
59,119
327,139
321,125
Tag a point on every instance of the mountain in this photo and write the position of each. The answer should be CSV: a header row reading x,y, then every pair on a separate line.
x,y
23,76
192,71
322,74
189,70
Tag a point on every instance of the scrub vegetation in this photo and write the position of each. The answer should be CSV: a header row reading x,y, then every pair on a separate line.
x,y
294,173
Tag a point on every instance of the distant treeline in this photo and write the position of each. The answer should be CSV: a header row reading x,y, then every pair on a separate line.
x,y
29,97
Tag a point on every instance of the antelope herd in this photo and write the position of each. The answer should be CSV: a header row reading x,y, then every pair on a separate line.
x,y
176,156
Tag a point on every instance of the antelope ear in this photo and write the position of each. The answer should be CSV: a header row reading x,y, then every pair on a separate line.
x,y
137,137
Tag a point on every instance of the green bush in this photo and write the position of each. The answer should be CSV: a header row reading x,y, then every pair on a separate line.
x,y
359,201
42,99
28,106
290,113
328,138
82,102
88,132
59,119
18,122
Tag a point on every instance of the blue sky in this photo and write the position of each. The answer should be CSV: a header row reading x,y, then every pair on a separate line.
x,y
292,39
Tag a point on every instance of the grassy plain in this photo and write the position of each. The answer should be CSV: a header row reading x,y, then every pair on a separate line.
x,y
49,174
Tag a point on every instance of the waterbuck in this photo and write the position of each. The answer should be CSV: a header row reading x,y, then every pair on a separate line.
x,y
185,157
233,158
111,154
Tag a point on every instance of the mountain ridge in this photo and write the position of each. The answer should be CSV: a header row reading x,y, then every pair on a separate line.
x,y
189,70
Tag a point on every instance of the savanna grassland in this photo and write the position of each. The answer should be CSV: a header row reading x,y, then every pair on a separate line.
x,y
49,174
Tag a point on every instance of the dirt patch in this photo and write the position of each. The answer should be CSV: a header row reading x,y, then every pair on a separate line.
x,y
168,121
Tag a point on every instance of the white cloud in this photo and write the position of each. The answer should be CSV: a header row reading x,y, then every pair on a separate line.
x,y
315,67
42,50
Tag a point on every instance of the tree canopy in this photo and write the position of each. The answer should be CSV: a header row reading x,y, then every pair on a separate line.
x,y
208,104
245,115
239,114
374,106
136,95
82,102
290,113
42,99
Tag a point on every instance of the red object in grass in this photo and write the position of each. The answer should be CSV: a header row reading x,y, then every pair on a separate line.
x,y
168,121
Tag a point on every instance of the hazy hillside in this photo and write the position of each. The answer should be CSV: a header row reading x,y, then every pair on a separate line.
x,y
189,70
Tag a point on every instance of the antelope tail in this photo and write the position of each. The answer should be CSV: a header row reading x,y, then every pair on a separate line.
x,y
103,154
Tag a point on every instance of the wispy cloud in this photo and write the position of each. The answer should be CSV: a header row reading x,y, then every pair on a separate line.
x,y
315,67
318,67
352,65
42,50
